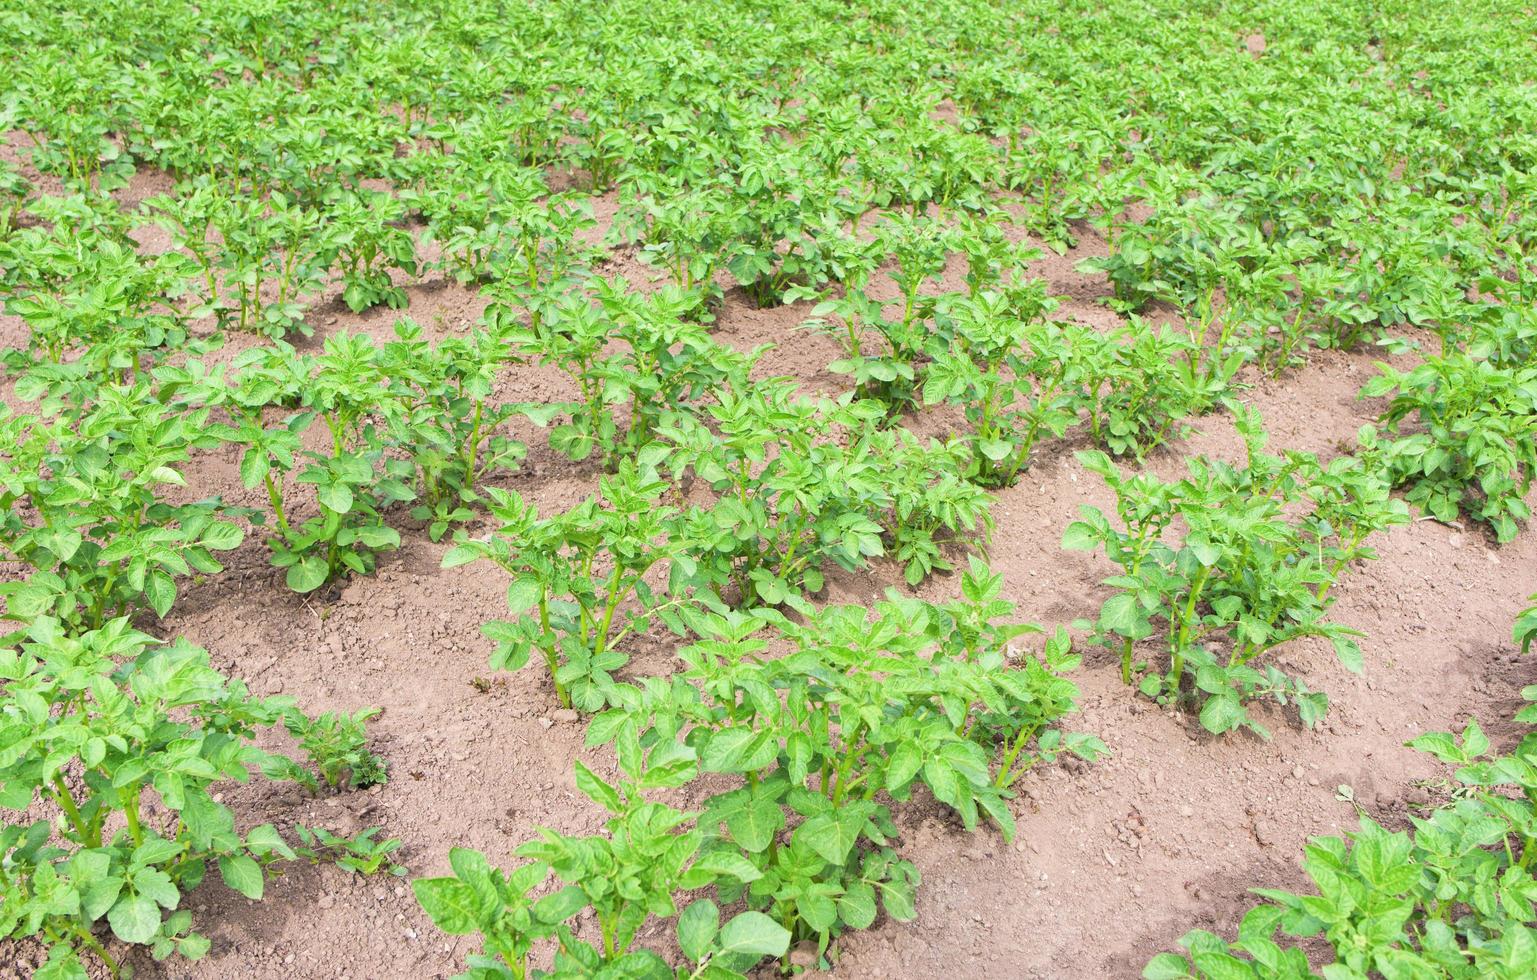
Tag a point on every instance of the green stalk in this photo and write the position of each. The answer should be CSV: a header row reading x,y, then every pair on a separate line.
x,y
275,497
1006,775
614,640
548,649
846,767
469,466
61,795
130,801
608,927
611,604
91,943
1177,659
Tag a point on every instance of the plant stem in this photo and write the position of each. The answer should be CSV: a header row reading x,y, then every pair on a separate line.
x,y
547,647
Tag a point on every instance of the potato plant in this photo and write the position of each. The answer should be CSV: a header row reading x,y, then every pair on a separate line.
x,y
802,484
273,253
497,221
884,352
111,746
929,510
1451,896
340,392
363,227
87,296
335,742
1229,563
448,425
683,232
66,122
636,870
574,578
1015,378
624,393
789,217
1135,387
866,705
1475,448
86,509
778,519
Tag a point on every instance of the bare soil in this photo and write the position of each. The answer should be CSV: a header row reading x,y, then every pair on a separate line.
x,y
1113,861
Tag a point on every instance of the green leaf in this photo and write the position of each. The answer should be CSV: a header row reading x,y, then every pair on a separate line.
x,y
727,862
459,554
135,919
906,760
523,594
1080,536
254,467
307,575
753,826
1349,654
63,964
1223,713
336,497
242,874
995,449
856,906
193,946
449,902
595,789
1520,951
897,897
1474,742
560,906
1441,745
222,536
1166,966
1219,965
698,926
832,835
1121,615
1383,858
755,934
160,590
741,749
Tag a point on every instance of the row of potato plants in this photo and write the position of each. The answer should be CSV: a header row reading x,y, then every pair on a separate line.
x,y
115,751
1453,462
1452,895
813,728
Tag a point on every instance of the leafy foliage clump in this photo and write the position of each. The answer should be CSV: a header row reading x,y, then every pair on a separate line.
x,y
1473,444
815,742
1450,897
1228,564
113,744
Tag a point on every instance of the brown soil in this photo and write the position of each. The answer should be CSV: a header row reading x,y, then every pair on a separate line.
x,y
1113,861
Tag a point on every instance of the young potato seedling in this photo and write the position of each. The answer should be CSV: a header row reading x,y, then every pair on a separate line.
x,y
1224,567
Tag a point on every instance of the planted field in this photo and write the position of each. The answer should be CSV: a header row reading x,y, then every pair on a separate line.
x,y
708,490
